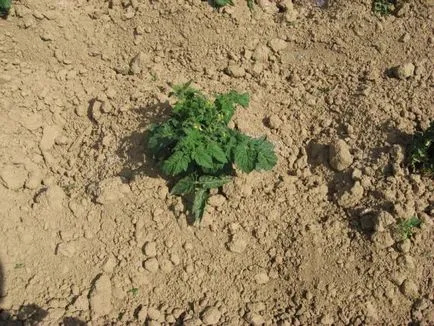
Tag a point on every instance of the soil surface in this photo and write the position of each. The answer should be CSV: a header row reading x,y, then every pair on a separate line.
x,y
89,234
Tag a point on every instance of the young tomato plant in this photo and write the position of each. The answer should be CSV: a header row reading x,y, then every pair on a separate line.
x,y
422,151
196,145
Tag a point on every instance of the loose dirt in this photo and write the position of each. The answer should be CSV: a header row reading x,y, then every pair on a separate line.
x,y
88,231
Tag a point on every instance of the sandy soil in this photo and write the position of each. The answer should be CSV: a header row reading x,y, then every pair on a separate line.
x,y
88,232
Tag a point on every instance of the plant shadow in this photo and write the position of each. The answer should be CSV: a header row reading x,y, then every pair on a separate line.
x,y
133,148
27,314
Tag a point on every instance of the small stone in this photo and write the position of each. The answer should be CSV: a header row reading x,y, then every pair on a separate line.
x,y
150,249
410,289
154,314
404,246
383,220
278,44
166,265
111,93
137,63
211,316
405,38
111,190
351,197
151,265
257,68
403,71
216,201
237,244
81,110
383,240
174,258
236,71
109,264
67,249
340,157
100,297
28,21
13,176
327,320
274,121
262,278
142,314
261,54
255,319
49,137
96,110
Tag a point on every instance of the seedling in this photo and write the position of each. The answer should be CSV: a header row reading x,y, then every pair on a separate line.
x,y
422,151
19,265
405,227
383,7
5,6
196,145
223,3
133,291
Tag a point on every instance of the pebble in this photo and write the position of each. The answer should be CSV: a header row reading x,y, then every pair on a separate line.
x,y
410,289
100,297
383,240
403,71
216,201
49,136
154,314
174,258
277,44
166,265
340,157
255,319
211,316
137,63
13,176
53,197
67,249
327,320
383,220
151,265
237,244
404,246
150,249
262,278
142,314
111,190
261,54
236,71
274,121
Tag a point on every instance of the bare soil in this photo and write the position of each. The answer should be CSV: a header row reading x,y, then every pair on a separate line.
x,y
89,234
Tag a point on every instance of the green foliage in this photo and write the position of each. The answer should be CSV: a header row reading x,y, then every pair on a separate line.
x,y
405,227
222,3
133,291
422,151
196,146
383,7
5,6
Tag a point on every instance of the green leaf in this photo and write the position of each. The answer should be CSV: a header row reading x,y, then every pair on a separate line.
x,y
5,6
209,182
176,163
199,203
245,157
202,158
184,186
266,159
217,152
222,3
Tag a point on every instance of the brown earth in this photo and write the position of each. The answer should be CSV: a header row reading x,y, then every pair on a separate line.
x,y
88,231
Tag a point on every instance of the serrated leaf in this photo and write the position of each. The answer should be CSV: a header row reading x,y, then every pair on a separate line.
x,y
202,158
209,182
184,186
199,203
176,163
266,159
245,157
217,152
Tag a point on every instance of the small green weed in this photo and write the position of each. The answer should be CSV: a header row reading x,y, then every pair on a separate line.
x,y
422,151
223,3
383,7
5,6
19,265
405,227
133,291
196,145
